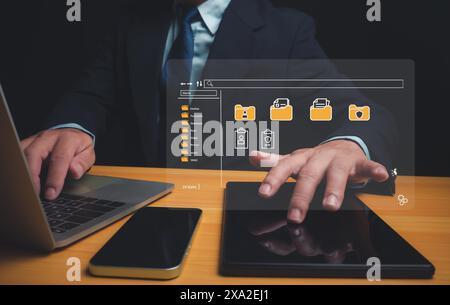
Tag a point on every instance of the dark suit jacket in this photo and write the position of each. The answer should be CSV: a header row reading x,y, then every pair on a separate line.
x,y
118,96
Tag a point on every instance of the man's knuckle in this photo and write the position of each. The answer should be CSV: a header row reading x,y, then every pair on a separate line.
x,y
58,157
82,165
339,167
271,178
299,198
29,152
308,174
46,133
75,141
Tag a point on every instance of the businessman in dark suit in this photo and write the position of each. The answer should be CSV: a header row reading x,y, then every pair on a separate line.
x,y
124,84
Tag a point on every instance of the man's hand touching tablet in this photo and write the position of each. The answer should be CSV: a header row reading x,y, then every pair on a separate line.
x,y
65,151
338,163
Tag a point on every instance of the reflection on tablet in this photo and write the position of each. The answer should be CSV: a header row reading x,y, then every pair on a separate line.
x,y
258,240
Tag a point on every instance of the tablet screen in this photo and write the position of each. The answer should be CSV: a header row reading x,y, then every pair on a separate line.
x,y
257,236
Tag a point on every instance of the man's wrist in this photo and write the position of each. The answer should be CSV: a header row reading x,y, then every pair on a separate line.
x,y
354,139
75,126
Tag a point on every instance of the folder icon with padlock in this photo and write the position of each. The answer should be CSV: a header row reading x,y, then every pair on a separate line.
x,y
321,110
281,110
242,113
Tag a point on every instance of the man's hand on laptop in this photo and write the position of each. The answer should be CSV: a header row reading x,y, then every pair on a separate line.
x,y
338,162
64,151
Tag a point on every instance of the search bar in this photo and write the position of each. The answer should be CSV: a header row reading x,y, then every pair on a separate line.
x,y
304,83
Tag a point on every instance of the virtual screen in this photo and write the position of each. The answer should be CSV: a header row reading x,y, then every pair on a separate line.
x,y
276,107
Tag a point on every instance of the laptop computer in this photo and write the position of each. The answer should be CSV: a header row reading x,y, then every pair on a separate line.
x,y
84,206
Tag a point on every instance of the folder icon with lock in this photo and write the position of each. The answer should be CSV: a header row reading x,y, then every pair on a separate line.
x,y
321,110
281,110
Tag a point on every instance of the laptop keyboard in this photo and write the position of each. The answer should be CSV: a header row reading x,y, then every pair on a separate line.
x,y
70,211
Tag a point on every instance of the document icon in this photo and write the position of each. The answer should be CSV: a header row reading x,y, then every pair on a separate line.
x,y
267,139
241,138
321,110
244,113
281,110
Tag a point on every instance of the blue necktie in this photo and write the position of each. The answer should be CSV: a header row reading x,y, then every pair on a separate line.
x,y
183,47
177,71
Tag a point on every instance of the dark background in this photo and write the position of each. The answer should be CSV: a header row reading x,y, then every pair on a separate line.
x,y
42,54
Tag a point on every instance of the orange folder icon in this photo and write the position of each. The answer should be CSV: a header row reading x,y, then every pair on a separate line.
x,y
184,123
185,130
184,115
281,110
184,108
244,113
184,159
321,110
184,144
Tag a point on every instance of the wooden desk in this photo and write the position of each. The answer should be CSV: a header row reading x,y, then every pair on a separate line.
x,y
424,222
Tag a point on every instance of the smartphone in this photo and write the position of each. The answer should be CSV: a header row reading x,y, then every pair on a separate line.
x,y
152,244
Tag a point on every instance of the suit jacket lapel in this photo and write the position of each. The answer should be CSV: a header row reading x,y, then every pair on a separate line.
x,y
145,48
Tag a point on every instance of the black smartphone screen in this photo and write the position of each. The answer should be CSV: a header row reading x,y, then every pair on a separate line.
x,y
154,237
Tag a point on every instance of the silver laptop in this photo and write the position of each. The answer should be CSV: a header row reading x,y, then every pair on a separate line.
x,y
84,206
